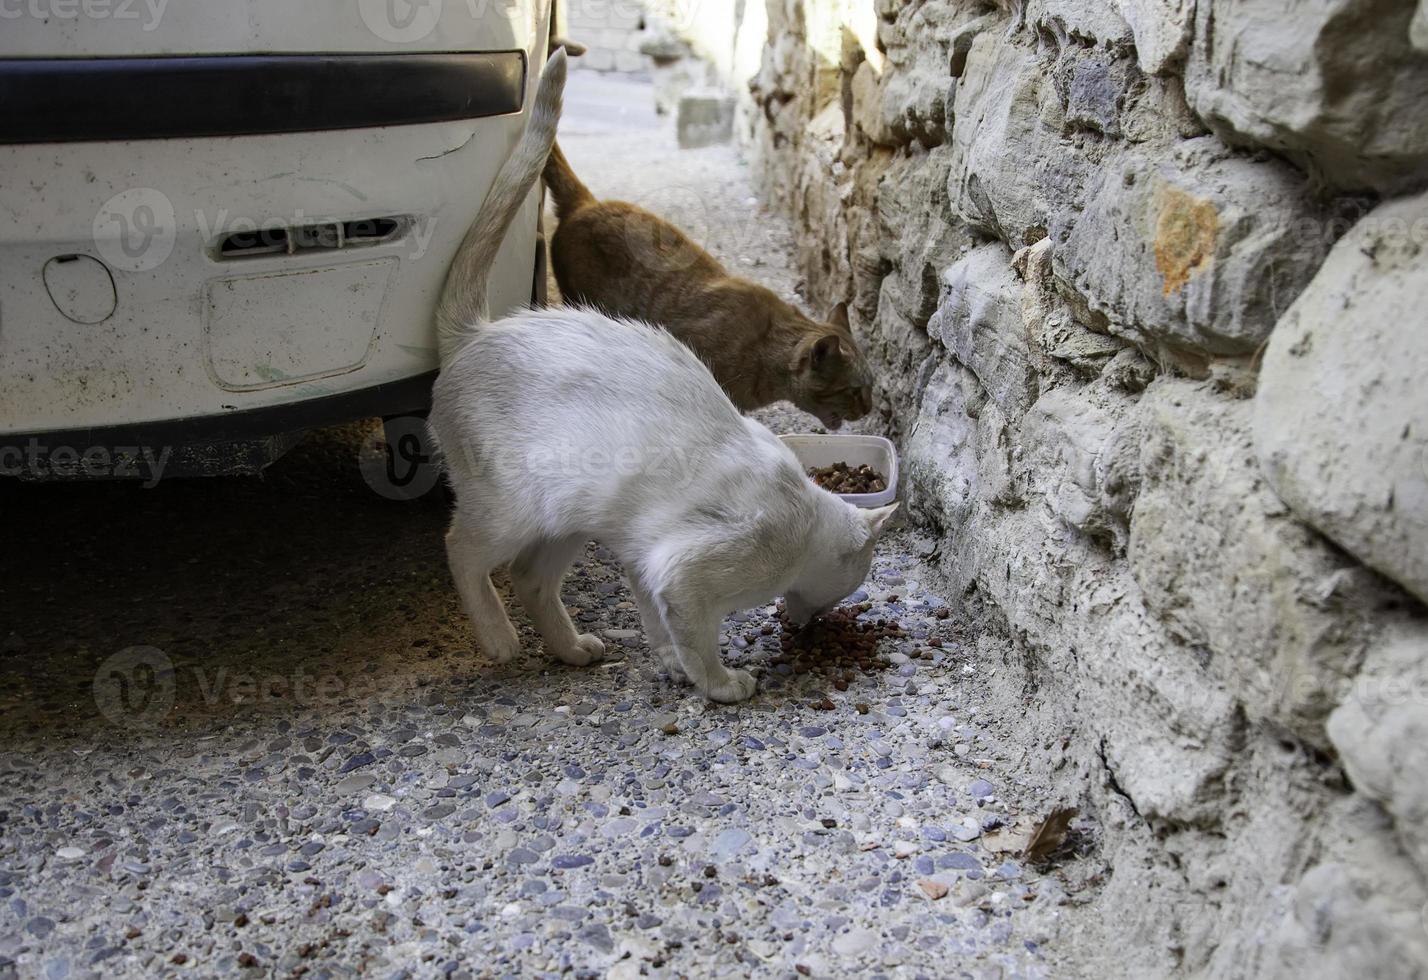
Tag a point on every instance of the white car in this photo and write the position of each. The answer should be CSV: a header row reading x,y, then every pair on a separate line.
x,y
210,233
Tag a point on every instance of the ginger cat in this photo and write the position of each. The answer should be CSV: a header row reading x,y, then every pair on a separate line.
x,y
627,262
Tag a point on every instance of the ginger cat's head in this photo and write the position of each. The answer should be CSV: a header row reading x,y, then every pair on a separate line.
x,y
830,377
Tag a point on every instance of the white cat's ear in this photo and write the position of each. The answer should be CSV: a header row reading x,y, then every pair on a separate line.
x,y
838,316
877,519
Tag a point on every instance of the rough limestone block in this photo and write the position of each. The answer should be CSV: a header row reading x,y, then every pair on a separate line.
x,y
704,119
1083,20
1418,30
1341,415
1361,916
1284,619
1010,175
1335,85
1381,732
868,106
1162,31
1198,250
980,324
1085,450
919,237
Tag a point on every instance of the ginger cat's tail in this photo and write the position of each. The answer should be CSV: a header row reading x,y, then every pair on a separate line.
x,y
569,193
464,305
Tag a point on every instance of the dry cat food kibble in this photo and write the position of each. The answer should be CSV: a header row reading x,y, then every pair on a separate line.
x,y
837,644
842,478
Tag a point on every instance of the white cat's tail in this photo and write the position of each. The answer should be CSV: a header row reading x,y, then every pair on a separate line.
x,y
464,307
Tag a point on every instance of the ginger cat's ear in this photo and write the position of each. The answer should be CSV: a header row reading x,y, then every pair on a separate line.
x,y
838,317
877,519
826,350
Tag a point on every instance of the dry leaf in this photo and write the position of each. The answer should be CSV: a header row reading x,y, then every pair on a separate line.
x,y
1049,835
1010,838
932,889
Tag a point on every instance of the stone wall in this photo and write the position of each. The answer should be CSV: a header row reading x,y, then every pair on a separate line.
x,y
612,32
1147,285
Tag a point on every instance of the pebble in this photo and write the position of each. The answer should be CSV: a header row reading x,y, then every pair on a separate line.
x,y
355,783
571,861
378,803
729,843
854,941
932,889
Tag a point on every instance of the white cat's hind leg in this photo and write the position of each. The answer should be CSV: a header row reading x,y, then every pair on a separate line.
x,y
537,575
473,556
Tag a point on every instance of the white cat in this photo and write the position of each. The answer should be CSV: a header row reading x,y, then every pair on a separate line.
x,y
563,425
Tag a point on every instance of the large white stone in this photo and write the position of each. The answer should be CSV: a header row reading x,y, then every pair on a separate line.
x,y
1161,29
1341,416
1334,84
980,323
1283,619
1381,732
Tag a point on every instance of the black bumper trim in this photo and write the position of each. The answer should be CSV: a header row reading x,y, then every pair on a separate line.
x,y
65,100
409,396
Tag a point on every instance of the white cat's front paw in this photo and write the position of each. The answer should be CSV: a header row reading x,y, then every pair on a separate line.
x,y
736,686
588,649
669,657
501,646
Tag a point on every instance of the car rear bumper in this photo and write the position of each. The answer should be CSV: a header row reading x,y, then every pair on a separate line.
x,y
51,100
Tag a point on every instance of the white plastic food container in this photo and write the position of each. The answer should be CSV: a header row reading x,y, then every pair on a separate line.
x,y
815,452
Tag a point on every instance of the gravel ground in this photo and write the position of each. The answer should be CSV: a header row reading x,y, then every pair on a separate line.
x,y
244,731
